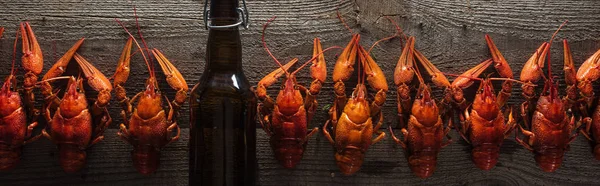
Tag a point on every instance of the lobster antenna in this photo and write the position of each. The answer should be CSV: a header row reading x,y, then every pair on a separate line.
x,y
550,44
399,30
314,58
143,41
384,39
12,68
137,44
267,48
341,18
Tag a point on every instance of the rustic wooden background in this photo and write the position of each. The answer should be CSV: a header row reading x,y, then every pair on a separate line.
x,y
449,32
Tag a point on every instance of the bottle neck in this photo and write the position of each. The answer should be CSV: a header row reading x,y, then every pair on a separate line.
x,y
224,48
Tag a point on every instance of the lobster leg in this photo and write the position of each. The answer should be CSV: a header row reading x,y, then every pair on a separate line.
x,y
398,141
310,134
123,132
588,125
530,135
326,133
381,134
170,130
511,124
30,128
465,122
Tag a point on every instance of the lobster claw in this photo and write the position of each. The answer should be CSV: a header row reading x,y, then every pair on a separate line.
x,y
95,78
532,70
122,72
318,70
344,65
33,59
61,64
499,62
569,65
174,77
588,72
375,75
437,77
465,80
272,77
404,72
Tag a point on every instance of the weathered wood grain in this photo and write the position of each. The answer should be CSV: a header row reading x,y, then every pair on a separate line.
x,y
449,32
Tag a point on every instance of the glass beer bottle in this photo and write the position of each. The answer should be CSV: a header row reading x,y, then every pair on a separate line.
x,y
222,107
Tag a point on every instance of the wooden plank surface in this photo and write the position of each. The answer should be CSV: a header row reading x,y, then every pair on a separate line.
x,y
449,32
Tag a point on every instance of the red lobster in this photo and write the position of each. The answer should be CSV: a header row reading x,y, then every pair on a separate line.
x,y
424,132
550,125
586,75
352,119
14,130
72,124
484,126
285,119
148,127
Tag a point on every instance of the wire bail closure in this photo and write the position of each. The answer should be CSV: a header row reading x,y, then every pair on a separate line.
x,y
242,12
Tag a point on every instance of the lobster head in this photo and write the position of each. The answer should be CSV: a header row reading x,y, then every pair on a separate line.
x,y
73,101
485,102
150,100
9,100
289,99
357,108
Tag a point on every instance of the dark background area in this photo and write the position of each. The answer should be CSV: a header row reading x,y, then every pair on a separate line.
x,y
449,32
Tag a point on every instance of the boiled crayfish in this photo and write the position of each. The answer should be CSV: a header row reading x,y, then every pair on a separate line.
x,y
14,130
72,124
148,127
425,130
484,126
550,125
586,75
285,120
352,118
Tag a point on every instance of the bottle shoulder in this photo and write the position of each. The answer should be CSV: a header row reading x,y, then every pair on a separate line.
x,y
223,84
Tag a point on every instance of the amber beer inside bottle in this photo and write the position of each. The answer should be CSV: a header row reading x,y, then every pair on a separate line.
x,y
222,109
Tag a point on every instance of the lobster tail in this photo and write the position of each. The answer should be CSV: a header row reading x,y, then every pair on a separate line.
x,y
288,152
71,158
550,160
145,159
423,164
485,157
349,160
